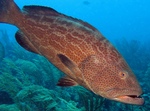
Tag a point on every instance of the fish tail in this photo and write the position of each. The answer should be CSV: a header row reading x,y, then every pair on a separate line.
x,y
9,11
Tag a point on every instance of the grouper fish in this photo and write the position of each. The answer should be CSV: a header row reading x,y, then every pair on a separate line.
x,y
76,48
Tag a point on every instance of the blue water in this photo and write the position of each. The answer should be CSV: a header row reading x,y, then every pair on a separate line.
x,y
126,23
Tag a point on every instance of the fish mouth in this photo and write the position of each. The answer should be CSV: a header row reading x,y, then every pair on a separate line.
x,y
126,96
130,99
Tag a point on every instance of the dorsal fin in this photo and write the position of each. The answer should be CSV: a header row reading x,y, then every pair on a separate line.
x,y
40,10
24,42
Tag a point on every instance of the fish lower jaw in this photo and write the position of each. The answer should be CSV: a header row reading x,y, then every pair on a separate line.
x,y
130,99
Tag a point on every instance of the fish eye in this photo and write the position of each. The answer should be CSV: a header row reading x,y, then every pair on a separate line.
x,y
123,74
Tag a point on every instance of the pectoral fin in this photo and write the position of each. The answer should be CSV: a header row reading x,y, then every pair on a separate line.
x,y
66,81
69,64
75,74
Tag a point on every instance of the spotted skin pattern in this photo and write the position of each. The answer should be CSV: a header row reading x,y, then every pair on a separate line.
x,y
76,48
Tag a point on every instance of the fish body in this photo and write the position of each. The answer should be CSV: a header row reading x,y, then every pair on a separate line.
x,y
76,48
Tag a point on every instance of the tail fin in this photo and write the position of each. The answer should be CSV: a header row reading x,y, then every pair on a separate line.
x,y
8,11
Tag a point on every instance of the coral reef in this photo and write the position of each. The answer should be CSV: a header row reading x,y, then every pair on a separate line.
x,y
42,99
10,84
12,107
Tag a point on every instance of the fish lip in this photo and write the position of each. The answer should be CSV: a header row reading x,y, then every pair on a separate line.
x,y
130,99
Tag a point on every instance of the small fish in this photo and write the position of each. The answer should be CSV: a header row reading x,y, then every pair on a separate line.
x,y
86,2
2,52
76,48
